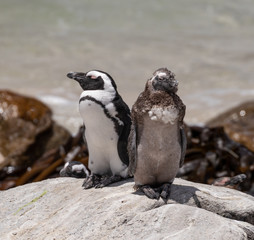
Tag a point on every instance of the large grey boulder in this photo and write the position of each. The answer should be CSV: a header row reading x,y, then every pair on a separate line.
x,y
223,201
61,209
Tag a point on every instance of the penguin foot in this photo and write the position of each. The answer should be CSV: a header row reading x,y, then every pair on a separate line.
x,y
106,180
98,181
165,191
91,181
155,193
150,192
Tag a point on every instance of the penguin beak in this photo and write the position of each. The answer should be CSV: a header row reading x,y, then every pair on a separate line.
x,y
78,76
87,82
165,85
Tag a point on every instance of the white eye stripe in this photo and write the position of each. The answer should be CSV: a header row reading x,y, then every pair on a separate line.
x,y
107,82
95,74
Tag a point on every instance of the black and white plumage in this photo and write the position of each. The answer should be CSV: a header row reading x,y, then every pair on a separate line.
x,y
157,140
107,124
74,169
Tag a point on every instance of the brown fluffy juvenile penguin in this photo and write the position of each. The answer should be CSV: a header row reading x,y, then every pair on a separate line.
x,y
157,140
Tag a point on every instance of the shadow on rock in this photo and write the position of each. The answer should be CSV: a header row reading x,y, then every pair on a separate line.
x,y
184,194
120,183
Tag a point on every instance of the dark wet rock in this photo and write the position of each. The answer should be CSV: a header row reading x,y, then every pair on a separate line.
x,y
27,132
22,119
213,157
50,163
50,139
238,123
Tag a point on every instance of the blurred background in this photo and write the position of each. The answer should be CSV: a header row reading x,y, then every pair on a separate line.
x,y
209,45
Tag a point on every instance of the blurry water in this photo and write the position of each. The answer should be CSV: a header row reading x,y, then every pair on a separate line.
x,y
209,45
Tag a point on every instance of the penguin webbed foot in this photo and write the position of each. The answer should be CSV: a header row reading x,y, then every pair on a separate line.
x,y
98,181
91,181
165,191
157,192
150,192
106,180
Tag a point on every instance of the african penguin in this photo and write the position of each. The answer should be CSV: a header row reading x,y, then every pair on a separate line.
x,y
157,140
107,124
74,169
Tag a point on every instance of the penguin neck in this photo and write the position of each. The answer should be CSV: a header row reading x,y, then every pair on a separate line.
x,y
102,96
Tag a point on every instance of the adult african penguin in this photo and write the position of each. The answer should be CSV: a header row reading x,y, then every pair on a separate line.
x,y
107,124
157,141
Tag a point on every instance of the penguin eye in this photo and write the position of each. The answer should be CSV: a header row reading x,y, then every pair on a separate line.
x,y
158,78
93,77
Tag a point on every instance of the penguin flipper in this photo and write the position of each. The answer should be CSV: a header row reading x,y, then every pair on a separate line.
x,y
132,148
123,130
183,143
122,144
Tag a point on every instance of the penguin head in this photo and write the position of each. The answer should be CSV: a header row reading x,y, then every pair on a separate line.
x,y
74,169
164,80
94,80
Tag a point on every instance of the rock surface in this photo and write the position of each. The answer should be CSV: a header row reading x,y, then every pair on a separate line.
x,y
61,209
211,157
27,131
238,123
21,120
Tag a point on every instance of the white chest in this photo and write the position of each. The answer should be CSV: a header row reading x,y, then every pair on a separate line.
x,y
100,129
101,138
166,114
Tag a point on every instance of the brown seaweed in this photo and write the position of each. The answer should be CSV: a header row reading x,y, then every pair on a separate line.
x,y
47,166
211,154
